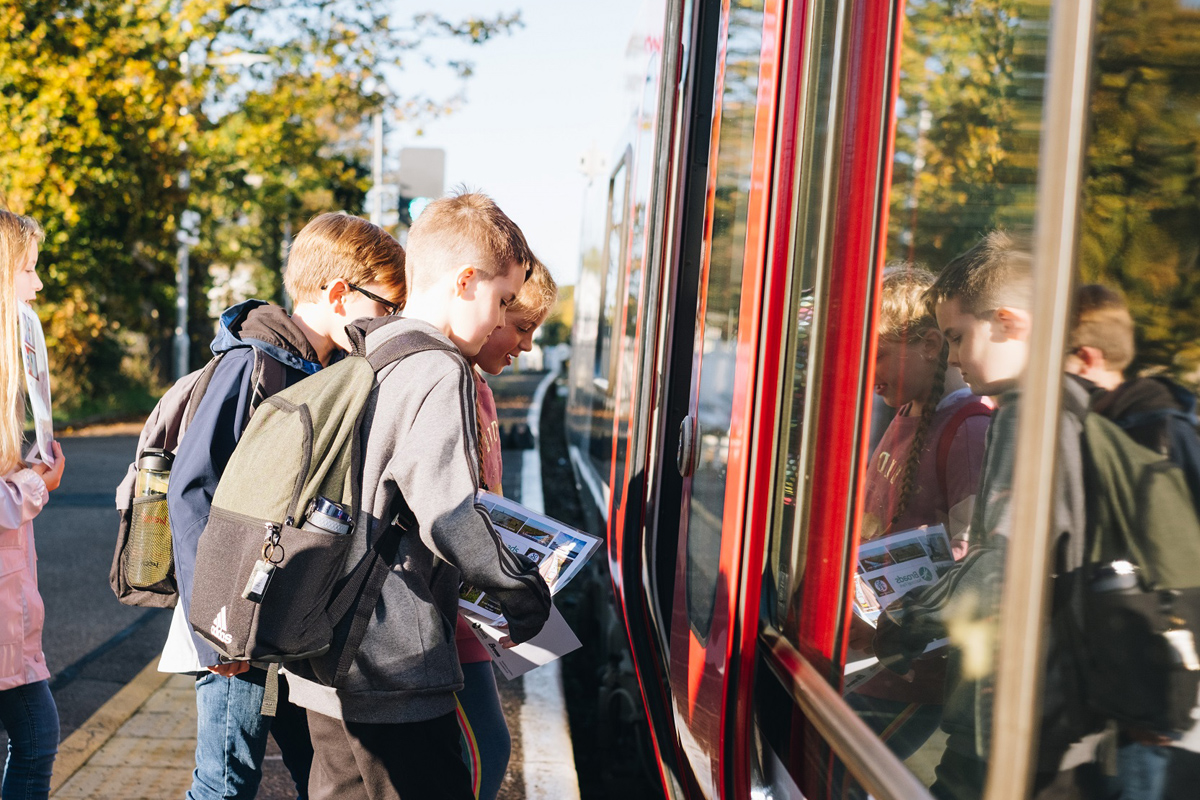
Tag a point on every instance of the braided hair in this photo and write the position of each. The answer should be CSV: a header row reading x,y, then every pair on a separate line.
x,y
905,317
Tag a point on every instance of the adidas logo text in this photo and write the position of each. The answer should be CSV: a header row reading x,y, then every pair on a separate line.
x,y
218,627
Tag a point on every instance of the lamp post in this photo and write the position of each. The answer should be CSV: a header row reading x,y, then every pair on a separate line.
x,y
187,234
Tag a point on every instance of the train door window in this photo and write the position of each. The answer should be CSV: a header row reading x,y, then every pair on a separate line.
x,y
720,301
614,251
953,320
815,168
1134,338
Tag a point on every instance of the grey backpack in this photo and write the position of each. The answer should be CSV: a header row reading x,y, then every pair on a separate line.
x,y
267,589
164,428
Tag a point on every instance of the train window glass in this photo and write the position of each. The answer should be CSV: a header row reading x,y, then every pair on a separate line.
x,y
720,301
1134,341
618,194
953,320
786,554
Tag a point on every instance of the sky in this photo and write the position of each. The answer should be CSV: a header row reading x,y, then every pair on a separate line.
x,y
538,101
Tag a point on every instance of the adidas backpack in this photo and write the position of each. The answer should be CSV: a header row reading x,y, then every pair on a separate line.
x,y
266,589
164,429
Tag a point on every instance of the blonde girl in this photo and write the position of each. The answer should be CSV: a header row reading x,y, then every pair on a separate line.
x,y
924,471
27,709
487,740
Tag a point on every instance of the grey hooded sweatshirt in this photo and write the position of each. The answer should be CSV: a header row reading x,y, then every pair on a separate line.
x,y
420,438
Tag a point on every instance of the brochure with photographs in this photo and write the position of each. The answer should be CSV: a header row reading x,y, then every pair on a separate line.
x,y
559,550
891,566
37,382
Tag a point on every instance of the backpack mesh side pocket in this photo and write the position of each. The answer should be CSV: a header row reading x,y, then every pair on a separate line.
x,y
147,553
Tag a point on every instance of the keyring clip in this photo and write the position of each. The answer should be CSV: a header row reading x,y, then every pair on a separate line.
x,y
268,553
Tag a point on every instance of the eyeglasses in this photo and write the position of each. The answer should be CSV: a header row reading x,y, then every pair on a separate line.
x,y
391,307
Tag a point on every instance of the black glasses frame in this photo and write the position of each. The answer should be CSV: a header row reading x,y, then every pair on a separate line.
x,y
392,308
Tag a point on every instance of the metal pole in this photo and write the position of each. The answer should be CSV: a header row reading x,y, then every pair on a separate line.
x,y
182,344
285,250
377,170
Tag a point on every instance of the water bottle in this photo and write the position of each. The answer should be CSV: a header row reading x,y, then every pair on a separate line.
x,y
153,472
1119,576
326,516
148,550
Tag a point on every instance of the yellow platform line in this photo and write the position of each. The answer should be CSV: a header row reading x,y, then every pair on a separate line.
x,y
89,737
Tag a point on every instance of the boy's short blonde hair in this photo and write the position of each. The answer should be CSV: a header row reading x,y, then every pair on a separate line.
x,y
461,229
1102,320
337,245
996,272
536,297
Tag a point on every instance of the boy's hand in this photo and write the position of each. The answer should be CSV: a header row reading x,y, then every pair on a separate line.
x,y
52,475
230,669
505,641
862,636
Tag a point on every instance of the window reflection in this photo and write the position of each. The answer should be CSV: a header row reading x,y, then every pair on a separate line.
x,y
720,303
951,343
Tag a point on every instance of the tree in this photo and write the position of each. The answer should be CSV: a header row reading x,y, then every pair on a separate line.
x,y
968,122
109,102
1141,219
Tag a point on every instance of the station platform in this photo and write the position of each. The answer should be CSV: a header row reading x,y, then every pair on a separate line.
x,y
141,744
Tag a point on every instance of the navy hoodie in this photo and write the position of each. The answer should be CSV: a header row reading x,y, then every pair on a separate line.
x,y
218,425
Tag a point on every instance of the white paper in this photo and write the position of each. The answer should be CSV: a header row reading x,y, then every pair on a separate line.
x,y
864,668
559,550
37,383
555,640
892,566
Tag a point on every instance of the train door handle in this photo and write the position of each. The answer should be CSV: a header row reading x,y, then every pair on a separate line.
x,y
685,456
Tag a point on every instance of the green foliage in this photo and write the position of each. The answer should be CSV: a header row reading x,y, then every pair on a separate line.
x,y
1141,222
553,331
109,102
968,124
964,161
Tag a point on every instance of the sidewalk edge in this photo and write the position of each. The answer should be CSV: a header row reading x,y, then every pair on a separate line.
x,y
89,737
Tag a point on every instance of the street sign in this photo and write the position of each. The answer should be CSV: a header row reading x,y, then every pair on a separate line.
x,y
422,172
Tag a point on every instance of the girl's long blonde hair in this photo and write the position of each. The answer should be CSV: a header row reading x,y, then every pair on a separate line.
x,y
17,235
905,317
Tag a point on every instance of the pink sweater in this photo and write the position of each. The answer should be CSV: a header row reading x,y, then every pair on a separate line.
x,y
470,649
22,496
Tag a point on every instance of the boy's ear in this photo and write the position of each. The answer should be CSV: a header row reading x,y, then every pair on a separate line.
x,y
1015,323
1092,357
466,278
335,291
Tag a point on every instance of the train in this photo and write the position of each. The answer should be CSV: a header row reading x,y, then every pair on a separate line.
x,y
721,413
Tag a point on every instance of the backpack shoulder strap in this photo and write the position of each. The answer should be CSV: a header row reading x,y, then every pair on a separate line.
x,y
198,390
360,592
976,408
269,378
404,345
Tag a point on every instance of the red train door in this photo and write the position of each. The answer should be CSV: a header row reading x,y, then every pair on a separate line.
x,y
712,458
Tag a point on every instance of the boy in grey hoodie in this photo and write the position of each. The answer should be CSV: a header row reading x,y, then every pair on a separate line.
x,y
340,268
390,730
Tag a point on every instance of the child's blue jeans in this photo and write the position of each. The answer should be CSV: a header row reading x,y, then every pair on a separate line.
x,y
30,717
231,737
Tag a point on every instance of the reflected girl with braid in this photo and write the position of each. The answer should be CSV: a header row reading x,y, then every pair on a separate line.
x,y
924,471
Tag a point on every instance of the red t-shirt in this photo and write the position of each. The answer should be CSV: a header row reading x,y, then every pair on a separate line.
x,y
929,504
470,649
